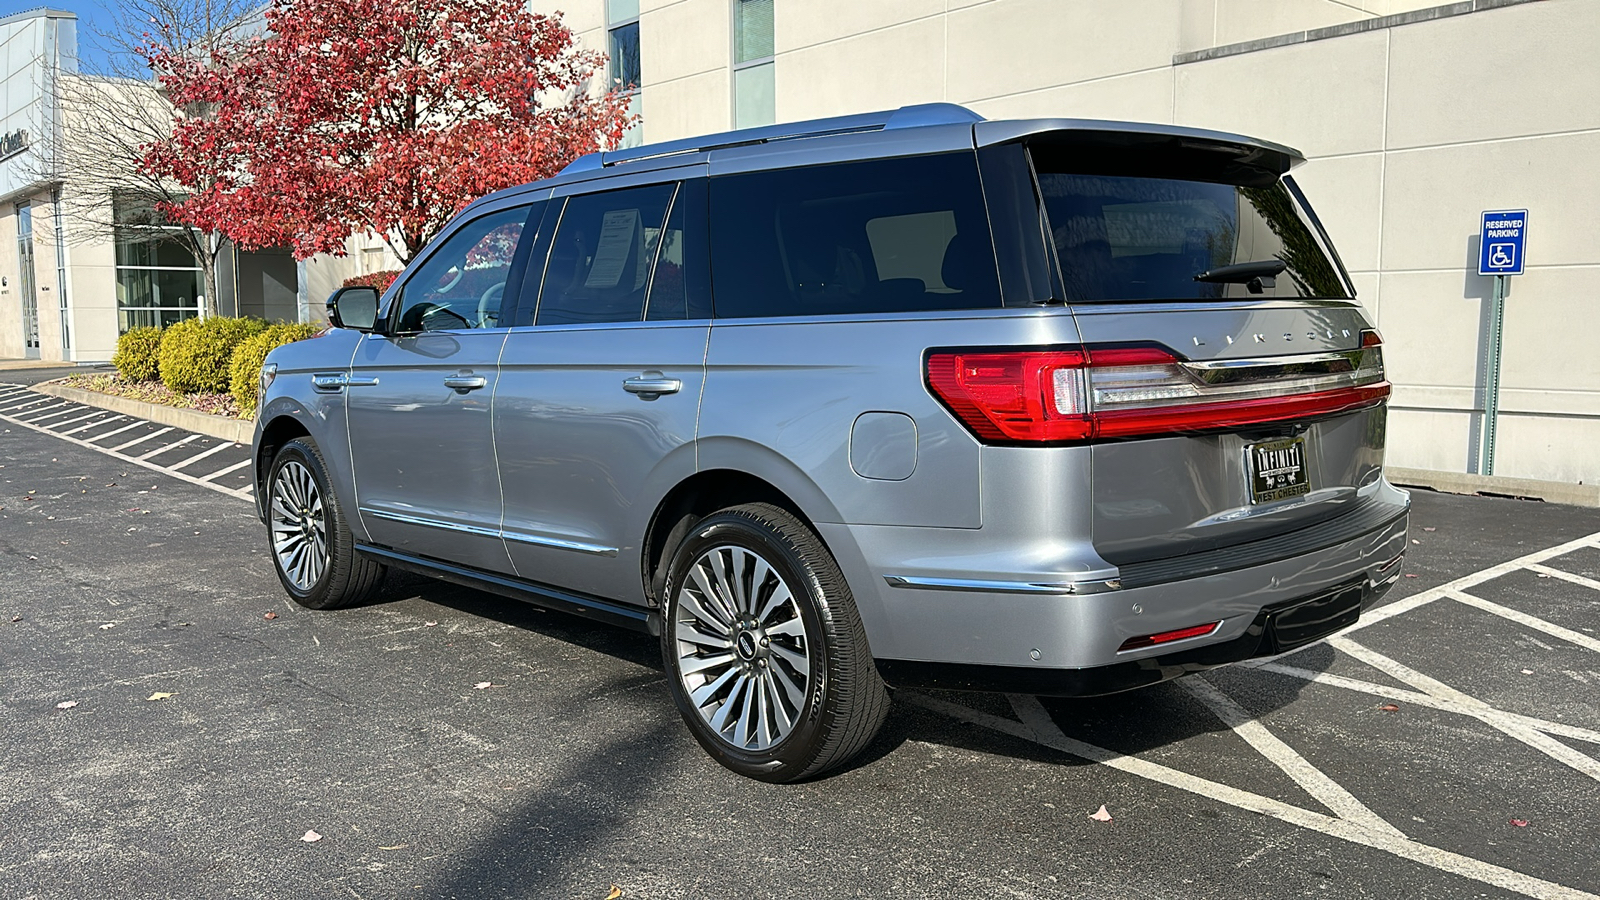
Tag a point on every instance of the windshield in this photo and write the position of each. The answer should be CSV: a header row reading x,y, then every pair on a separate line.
x,y
1129,238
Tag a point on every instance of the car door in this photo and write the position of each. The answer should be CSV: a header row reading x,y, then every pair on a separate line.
x,y
600,381
420,396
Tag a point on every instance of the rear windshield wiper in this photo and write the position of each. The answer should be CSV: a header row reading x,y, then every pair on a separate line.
x,y
1244,273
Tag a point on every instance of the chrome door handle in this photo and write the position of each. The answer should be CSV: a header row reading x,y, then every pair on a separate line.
x,y
463,382
651,385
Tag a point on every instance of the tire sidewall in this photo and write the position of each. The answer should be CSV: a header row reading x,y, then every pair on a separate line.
x,y
797,751
304,452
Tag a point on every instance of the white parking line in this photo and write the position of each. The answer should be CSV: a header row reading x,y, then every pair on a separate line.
x,y
154,434
90,415
172,446
1036,726
60,412
1534,738
202,455
1566,576
17,407
1326,791
101,437
30,413
137,462
1406,695
221,472
1522,618
98,422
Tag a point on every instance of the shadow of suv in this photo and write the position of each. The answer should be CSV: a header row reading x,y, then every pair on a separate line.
x,y
1054,406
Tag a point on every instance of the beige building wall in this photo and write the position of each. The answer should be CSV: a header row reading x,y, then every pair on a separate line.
x,y
1404,148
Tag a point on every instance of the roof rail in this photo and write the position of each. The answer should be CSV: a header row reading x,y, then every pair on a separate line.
x,y
916,116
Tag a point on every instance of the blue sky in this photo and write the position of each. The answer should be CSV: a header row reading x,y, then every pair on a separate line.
x,y
89,12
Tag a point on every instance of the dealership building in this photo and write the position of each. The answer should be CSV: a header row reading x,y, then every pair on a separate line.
x,y
1415,118
82,260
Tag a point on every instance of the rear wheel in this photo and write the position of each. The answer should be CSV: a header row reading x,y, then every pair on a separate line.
x,y
312,548
764,649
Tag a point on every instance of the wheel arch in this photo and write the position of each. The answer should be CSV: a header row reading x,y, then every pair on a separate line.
x,y
771,479
270,437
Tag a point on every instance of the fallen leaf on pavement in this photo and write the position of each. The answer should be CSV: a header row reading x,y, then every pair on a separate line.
x,y
161,695
311,837
1101,815
481,685
1520,823
66,704
270,616
1389,707
616,892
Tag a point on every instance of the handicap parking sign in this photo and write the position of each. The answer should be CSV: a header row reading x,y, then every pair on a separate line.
x,y
1504,233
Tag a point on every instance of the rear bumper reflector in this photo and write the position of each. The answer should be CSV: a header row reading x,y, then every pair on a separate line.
x,y
1167,637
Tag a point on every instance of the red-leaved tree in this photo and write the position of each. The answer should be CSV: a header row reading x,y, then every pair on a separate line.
x,y
386,116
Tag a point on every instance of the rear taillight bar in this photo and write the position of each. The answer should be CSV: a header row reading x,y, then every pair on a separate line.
x,y
1101,392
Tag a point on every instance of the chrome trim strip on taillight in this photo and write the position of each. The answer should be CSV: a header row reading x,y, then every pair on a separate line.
x,y
1222,371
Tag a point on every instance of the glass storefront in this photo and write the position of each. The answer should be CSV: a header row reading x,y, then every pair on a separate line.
x,y
158,282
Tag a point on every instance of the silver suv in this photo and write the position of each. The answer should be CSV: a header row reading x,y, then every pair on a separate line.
x,y
914,399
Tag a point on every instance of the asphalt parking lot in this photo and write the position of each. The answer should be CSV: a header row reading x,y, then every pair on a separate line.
x,y
1447,747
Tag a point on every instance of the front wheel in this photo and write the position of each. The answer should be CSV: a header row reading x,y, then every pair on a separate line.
x,y
764,649
312,548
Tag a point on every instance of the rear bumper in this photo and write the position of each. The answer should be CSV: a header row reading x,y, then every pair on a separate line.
x,y
1010,612
1328,611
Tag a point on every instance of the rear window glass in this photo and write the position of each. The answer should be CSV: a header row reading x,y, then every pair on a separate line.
x,y
897,235
1129,238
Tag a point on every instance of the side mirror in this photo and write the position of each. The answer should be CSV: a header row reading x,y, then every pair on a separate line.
x,y
354,307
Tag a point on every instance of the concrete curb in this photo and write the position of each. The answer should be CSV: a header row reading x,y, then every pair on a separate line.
x,y
239,431
1497,485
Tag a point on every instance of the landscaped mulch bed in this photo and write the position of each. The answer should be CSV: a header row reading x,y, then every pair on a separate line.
x,y
155,392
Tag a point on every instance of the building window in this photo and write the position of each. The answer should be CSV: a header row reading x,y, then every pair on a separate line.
x,y
158,278
622,42
754,94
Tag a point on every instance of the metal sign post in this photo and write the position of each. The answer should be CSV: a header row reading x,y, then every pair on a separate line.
x,y
1504,236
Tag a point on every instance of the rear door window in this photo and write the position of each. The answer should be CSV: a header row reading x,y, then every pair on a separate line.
x,y
895,235
600,261
1120,237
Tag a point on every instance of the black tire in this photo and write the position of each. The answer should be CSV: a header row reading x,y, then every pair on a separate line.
x,y
845,701
344,578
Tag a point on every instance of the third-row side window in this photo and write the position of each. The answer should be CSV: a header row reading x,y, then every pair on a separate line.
x,y
895,235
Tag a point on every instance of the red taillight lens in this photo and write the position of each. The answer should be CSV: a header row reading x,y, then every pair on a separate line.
x,y
1167,637
1113,392
1014,396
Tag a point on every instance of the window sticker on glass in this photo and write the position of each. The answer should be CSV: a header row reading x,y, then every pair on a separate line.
x,y
618,236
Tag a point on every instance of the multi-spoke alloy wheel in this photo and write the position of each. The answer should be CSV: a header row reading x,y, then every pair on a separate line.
x,y
312,547
299,527
742,650
765,651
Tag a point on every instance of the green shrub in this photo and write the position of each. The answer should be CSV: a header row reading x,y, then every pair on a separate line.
x,y
196,353
379,280
137,356
252,352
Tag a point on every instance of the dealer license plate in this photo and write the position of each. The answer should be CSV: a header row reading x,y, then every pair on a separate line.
x,y
1278,470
